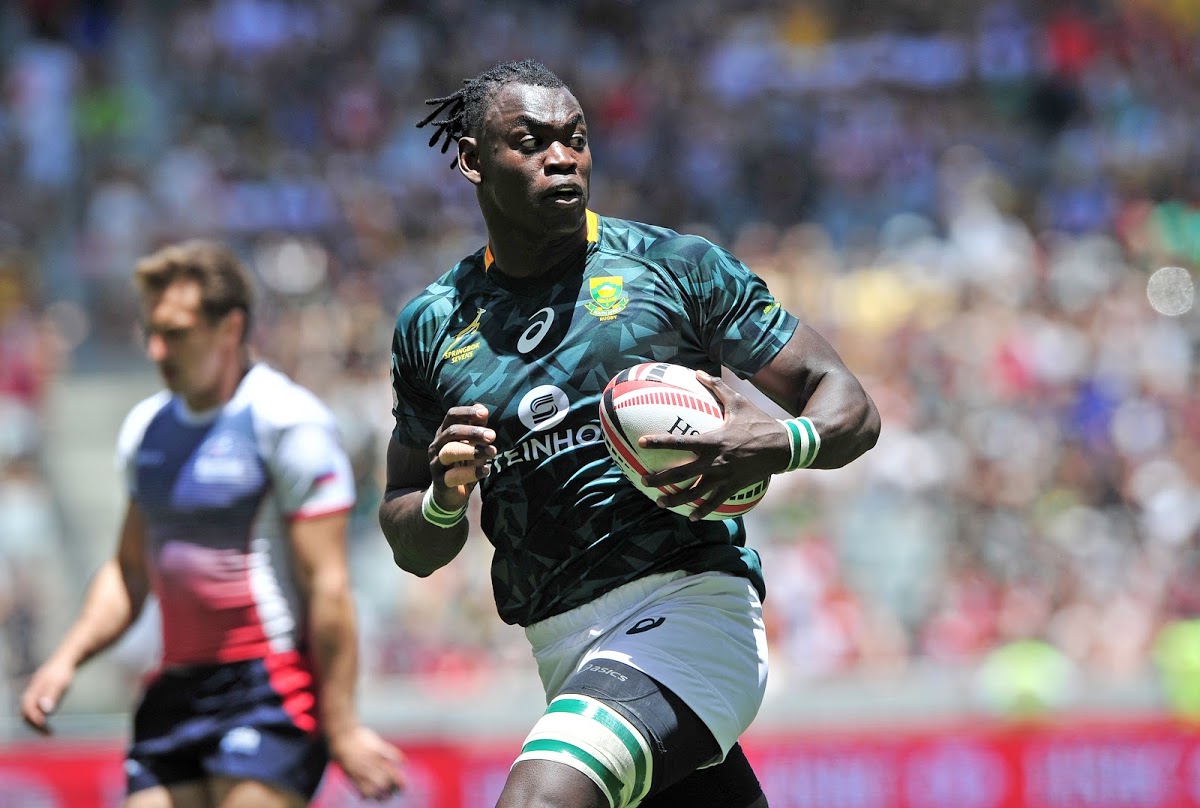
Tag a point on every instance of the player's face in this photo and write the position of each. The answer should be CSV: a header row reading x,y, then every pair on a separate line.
x,y
192,353
534,163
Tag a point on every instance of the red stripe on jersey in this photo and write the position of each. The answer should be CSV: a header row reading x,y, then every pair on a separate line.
x,y
292,677
313,513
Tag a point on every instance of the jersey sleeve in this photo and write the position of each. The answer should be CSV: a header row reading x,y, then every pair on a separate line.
x,y
311,472
129,438
737,319
415,405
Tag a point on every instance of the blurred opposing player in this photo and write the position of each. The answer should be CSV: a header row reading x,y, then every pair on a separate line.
x,y
238,501
646,627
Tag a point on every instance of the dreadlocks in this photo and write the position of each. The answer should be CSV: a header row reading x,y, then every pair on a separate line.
x,y
465,108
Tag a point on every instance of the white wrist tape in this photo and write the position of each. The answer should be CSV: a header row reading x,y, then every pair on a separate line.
x,y
437,515
804,440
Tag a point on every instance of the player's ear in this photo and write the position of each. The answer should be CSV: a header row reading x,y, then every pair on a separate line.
x,y
468,159
236,322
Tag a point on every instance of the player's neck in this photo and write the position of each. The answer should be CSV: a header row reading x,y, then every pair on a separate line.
x,y
225,389
518,257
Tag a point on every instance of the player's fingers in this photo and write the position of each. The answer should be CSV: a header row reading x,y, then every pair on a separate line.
x,y
472,437
389,754
36,710
368,790
475,414
683,496
394,782
466,473
381,785
33,718
37,724
461,433
457,452
714,383
683,474
732,401
712,501
697,443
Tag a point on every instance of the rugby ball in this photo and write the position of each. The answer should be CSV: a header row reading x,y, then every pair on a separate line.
x,y
657,397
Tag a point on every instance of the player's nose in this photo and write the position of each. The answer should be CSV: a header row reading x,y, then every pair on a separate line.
x,y
560,156
156,347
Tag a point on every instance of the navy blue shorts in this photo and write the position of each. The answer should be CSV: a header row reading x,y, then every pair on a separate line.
x,y
249,720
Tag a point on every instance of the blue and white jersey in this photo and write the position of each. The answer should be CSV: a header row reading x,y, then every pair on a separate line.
x,y
218,491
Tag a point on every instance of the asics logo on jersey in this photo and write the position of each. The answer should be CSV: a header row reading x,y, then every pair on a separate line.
x,y
543,407
539,324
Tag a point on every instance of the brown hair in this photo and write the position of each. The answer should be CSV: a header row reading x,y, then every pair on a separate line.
x,y
225,283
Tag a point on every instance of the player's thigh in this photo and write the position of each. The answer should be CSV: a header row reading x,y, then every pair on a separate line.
x,y
179,795
701,637
549,783
620,729
229,792
731,783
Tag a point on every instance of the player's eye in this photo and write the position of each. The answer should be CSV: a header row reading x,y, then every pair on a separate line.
x,y
529,143
578,140
165,334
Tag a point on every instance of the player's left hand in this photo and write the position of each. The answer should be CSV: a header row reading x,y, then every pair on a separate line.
x,y
750,446
371,764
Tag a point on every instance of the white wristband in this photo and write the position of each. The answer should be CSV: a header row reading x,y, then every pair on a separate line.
x,y
437,515
804,440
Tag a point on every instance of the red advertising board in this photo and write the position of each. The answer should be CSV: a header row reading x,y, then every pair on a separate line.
x,y
1093,764
1152,763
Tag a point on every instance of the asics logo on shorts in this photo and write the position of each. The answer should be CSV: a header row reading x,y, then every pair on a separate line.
x,y
645,624
608,671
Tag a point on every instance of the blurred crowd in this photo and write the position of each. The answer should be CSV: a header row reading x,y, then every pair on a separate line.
x,y
971,200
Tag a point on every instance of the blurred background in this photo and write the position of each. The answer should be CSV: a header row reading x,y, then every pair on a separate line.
x,y
990,207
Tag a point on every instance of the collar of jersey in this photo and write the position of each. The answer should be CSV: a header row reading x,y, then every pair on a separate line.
x,y
593,235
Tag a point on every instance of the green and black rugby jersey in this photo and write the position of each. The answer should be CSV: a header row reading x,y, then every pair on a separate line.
x,y
565,523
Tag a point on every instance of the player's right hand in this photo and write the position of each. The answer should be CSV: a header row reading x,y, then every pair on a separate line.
x,y
462,450
372,765
44,693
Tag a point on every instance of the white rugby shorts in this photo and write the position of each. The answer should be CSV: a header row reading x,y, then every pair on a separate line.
x,y
700,635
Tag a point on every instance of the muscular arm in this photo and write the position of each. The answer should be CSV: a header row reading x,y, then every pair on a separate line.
x,y
418,546
808,378
458,458
113,601
319,550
